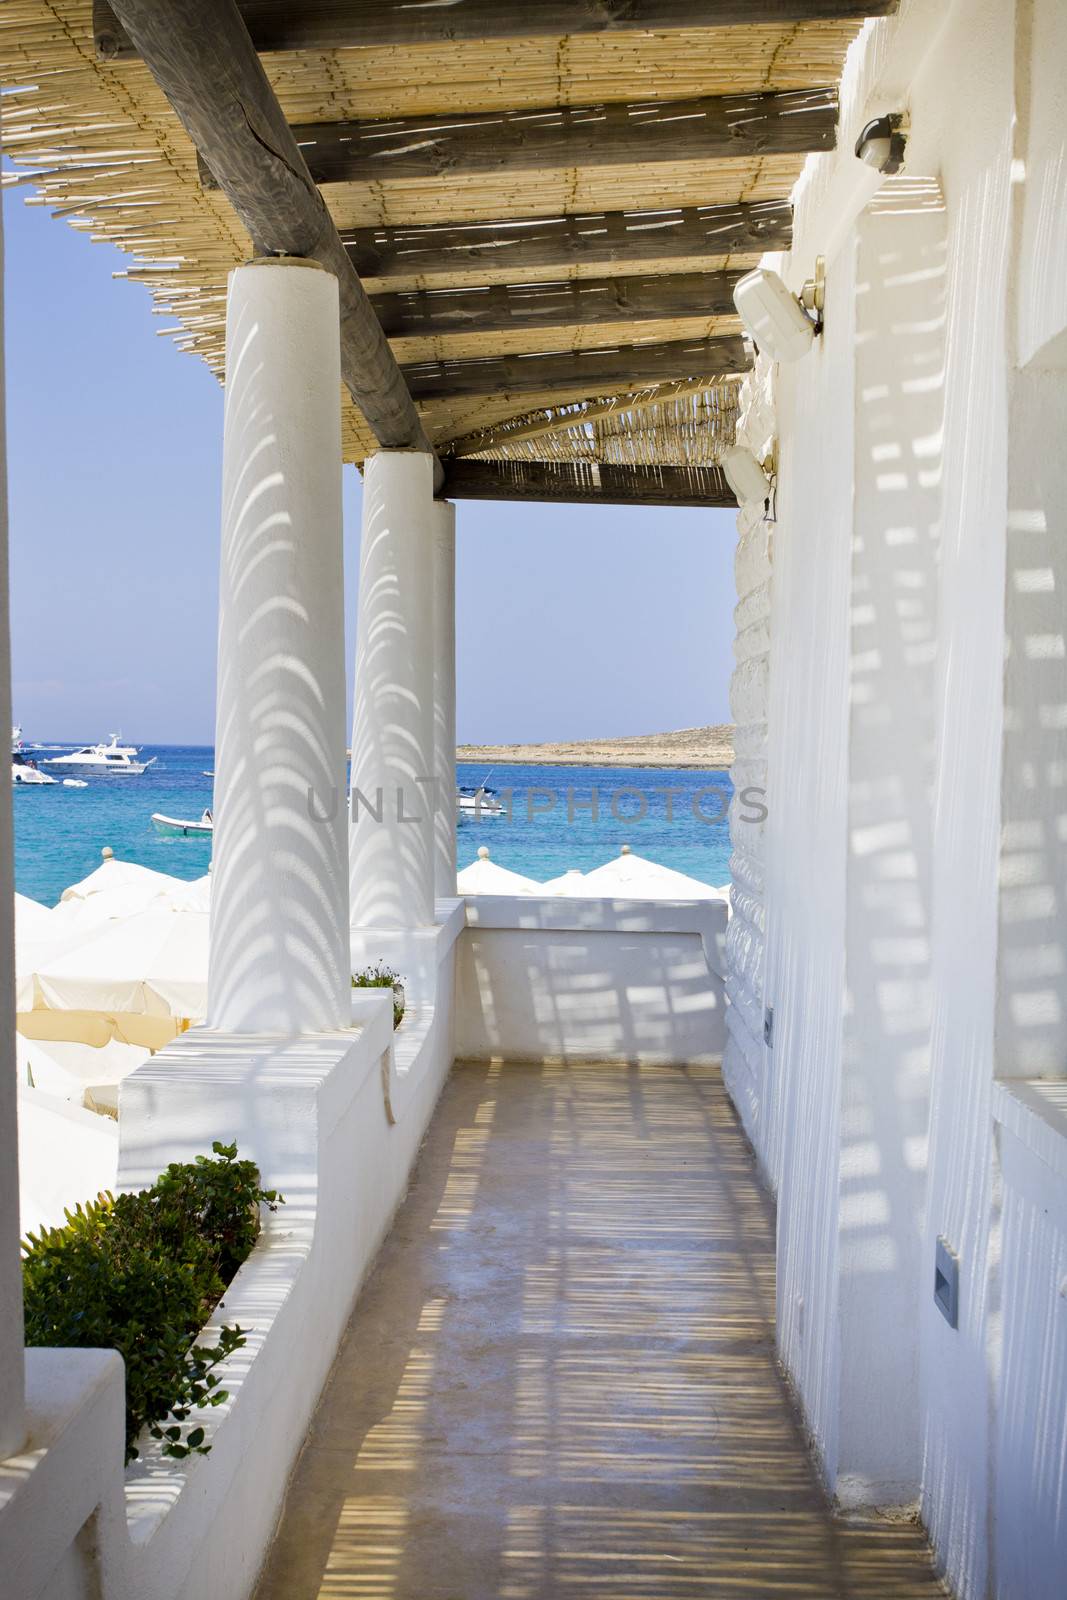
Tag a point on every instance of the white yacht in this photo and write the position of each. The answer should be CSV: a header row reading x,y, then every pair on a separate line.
x,y
110,758
24,770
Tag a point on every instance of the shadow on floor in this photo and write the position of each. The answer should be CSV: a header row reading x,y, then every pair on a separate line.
x,y
560,1378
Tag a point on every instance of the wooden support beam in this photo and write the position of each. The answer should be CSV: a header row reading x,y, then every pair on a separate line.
x,y
603,238
582,302
200,54
584,482
785,122
338,24
593,371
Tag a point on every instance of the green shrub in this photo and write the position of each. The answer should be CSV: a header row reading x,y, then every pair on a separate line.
x,y
141,1274
382,977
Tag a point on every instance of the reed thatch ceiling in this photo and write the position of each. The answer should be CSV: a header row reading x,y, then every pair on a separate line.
x,y
546,222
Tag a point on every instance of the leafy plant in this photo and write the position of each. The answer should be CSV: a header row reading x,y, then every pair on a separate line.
x,y
379,976
141,1274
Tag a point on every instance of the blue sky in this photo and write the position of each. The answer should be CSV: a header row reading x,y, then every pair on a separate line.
x,y
572,622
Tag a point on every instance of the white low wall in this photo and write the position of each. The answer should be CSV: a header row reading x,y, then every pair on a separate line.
x,y
591,980
334,1121
1030,1419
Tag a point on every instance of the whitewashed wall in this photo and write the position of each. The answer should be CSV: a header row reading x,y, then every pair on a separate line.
x,y
590,980
914,952
743,1058
335,1121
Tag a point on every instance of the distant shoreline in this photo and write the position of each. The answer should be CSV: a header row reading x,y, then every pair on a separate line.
x,y
709,749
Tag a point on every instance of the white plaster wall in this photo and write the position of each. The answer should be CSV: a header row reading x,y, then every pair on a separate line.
x,y
806,833
1031,1423
744,1054
899,364
613,981
972,67
335,1121
940,62
1041,108
1031,1033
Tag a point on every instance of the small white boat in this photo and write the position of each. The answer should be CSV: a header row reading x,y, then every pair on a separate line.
x,y
111,758
72,783
24,770
183,827
477,802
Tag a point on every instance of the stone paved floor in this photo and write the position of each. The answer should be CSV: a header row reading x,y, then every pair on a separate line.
x,y
559,1381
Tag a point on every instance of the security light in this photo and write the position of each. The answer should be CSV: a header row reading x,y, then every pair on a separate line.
x,y
775,319
745,475
883,142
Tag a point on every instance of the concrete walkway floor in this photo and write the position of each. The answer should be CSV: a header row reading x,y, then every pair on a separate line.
x,y
560,1382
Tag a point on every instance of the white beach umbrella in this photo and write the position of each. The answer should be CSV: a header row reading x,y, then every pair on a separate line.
x,y
66,1155
113,876
154,963
73,1071
485,877
194,896
569,883
636,878
32,919
35,949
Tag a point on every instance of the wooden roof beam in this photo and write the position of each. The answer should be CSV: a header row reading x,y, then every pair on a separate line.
x,y
577,302
592,371
338,24
604,238
200,54
495,143
588,483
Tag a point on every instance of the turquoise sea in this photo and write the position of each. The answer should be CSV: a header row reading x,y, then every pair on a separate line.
x,y
60,832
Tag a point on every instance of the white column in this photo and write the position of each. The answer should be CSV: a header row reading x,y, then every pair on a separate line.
x,y
444,696
11,1351
279,917
392,844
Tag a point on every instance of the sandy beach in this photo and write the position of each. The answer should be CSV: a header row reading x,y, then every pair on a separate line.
x,y
707,748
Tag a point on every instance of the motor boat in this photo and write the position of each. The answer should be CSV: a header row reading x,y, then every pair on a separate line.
x,y
183,827
111,758
477,801
24,770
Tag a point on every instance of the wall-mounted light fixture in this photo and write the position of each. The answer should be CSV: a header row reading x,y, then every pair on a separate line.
x,y
883,142
745,476
781,323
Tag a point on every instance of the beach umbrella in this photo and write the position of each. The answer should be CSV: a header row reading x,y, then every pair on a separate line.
x,y
121,889
634,877
113,876
36,947
154,963
81,1073
66,1155
570,883
32,919
194,896
485,877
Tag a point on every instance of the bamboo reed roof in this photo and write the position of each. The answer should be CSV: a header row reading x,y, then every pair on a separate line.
x,y
98,143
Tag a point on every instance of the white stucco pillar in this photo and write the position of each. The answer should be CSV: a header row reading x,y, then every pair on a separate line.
x,y
279,917
392,838
11,1352
444,696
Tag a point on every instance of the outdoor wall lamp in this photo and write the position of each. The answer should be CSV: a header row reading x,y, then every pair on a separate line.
x,y
883,142
781,323
745,476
